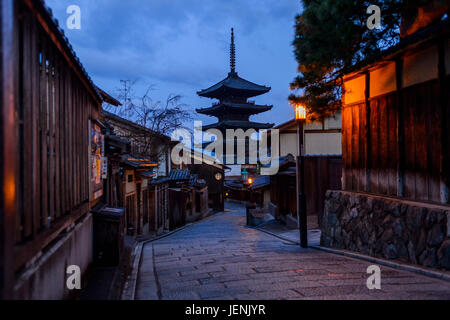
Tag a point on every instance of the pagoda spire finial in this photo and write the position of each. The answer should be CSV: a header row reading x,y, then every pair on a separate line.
x,y
232,54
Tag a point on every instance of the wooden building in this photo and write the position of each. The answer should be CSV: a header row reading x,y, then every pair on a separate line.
x,y
214,176
323,167
144,183
143,141
158,215
396,139
49,138
192,193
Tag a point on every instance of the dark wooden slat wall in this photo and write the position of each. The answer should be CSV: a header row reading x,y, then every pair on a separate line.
x,y
27,118
354,146
50,135
422,145
53,131
35,124
322,173
43,84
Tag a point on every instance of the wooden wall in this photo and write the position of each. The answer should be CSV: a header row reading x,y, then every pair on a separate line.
x,y
321,174
377,158
53,133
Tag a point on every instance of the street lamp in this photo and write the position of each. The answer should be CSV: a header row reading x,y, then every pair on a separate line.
x,y
300,118
300,112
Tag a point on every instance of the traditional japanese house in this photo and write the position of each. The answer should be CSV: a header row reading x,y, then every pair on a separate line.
x,y
51,152
233,109
395,126
158,215
136,173
258,191
145,191
207,168
192,192
214,176
143,141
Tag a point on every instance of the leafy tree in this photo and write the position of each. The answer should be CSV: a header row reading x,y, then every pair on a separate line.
x,y
331,36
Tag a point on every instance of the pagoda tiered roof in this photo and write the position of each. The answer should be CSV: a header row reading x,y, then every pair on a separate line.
x,y
234,86
236,124
245,108
233,110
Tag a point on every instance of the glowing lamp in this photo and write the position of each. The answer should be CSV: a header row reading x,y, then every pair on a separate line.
x,y
300,112
250,180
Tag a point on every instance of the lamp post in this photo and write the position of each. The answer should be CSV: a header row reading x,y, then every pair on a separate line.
x,y
300,118
250,205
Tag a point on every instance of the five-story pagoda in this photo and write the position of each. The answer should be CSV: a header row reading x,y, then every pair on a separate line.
x,y
233,109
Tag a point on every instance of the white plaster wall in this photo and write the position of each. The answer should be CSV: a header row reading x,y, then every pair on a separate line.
x,y
323,143
129,186
334,122
383,80
288,144
354,90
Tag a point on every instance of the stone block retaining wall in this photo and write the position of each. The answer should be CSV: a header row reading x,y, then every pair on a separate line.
x,y
388,228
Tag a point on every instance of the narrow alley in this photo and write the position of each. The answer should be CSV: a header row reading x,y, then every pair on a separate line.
x,y
219,258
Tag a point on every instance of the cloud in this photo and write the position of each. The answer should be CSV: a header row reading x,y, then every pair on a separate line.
x,y
181,46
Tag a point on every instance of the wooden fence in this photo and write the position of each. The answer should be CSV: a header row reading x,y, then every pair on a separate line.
x,y
321,174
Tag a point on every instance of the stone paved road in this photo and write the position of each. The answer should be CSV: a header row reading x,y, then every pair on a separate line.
x,y
219,258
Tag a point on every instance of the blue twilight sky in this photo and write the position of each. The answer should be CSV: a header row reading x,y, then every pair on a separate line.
x,y
182,46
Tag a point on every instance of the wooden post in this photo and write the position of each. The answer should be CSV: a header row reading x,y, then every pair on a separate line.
x,y
368,163
9,177
444,170
301,200
400,129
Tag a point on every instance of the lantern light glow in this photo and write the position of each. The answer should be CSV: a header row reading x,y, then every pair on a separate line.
x,y
300,112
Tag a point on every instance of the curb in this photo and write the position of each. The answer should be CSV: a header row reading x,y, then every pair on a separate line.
x,y
274,235
129,290
395,265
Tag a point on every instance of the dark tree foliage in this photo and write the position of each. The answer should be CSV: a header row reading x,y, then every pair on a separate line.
x,y
331,36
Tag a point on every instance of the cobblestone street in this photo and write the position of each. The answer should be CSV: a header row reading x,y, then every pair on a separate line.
x,y
219,258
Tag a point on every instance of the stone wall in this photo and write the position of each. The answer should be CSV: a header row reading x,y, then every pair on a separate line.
x,y
388,228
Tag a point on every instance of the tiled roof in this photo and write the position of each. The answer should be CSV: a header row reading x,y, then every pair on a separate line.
x,y
179,174
137,161
258,183
238,125
246,108
234,82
